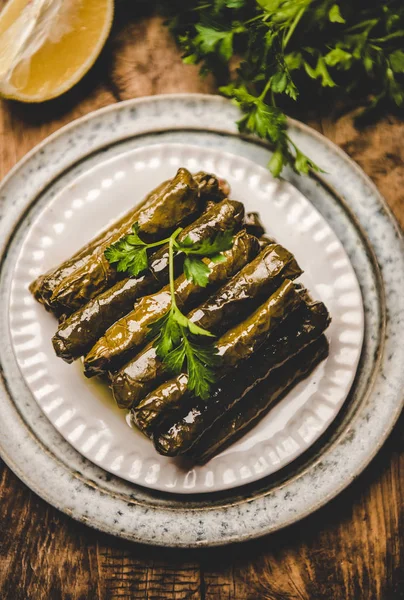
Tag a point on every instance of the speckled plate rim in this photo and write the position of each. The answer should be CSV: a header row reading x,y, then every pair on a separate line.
x,y
246,517
125,453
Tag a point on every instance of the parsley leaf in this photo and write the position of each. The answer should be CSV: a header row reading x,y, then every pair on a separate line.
x,y
222,241
320,71
167,332
356,49
198,361
277,161
181,352
335,14
133,238
196,269
129,254
303,164
396,59
337,57
209,40
176,336
170,329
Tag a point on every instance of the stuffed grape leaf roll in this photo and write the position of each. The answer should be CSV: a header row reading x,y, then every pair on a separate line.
x,y
129,333
79,332
178,204
144,373
184,426
257,402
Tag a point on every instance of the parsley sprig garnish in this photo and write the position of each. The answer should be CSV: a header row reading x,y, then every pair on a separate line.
x,y
177,339
195,268
286,47
129,253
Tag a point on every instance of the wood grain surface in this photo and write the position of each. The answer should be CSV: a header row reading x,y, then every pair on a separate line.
x,y
352,549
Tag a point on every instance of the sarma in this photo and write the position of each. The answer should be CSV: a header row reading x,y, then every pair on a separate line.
x,y
178,203
129,333
265,240
266,332
144,373
253,224
211,189
183,428
242,293
79,332
233,425
43,287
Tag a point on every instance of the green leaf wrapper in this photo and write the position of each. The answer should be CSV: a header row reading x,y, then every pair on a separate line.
x,y
79,332
229,305
255,404
178,203
131,332
186,421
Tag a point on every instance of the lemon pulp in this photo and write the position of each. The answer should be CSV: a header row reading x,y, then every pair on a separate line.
x,y
58,63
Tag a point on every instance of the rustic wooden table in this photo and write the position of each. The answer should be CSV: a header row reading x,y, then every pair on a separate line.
x,y
352,549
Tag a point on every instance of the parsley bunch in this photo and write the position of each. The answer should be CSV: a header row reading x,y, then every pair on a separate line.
x,y
282,45
177,339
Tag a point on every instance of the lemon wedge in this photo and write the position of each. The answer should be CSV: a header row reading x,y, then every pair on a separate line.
x,y
46,46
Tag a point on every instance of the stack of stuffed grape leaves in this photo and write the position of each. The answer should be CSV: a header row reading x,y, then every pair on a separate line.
x,y
191,313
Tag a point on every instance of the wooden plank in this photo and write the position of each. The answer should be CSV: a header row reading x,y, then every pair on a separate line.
x,y
351,549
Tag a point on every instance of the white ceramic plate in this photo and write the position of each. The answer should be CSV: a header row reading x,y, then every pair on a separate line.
x,y
358,214
83,410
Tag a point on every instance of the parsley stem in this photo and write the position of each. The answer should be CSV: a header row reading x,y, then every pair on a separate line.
x,y
161,242
293,26
171,242
256,18
265,90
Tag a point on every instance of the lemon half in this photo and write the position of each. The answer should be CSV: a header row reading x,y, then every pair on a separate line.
x,y
46,46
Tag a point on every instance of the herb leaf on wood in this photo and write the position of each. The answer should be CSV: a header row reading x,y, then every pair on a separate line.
x,y
287,48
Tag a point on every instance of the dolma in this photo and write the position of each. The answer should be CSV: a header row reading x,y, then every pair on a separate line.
x,y
43,287
211,189
214,189
79,332
145,372
247,289
129,333
234,348
241,294
265,240
183,428
256,404
253,224
178,203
